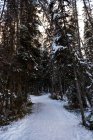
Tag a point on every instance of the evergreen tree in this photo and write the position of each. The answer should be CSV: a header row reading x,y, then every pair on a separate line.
x,y
20,54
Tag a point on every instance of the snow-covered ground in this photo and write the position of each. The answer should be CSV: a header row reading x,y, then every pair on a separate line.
x,y
49,121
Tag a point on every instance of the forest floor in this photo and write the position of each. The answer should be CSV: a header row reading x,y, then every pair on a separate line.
x,y
48,121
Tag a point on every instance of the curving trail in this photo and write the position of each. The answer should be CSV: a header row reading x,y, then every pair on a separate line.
x,y
49,121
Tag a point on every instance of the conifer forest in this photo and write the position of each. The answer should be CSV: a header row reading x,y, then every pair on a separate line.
x,y
46,69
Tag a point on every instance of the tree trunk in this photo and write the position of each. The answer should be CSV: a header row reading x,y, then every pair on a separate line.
x,y
79,98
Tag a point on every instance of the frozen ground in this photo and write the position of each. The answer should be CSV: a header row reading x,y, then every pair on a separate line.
x,y
49,121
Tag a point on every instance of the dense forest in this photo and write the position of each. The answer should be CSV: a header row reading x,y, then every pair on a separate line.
x,y
53,59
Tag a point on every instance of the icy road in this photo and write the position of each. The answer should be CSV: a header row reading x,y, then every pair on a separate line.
x,y
49,121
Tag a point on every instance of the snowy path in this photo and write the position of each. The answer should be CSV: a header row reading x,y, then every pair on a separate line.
x,y
49,121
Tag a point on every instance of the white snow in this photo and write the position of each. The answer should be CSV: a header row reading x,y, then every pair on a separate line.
x,y
56,47
49,121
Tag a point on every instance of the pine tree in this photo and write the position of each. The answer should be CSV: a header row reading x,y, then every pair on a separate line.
x,y
20,54
88,36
